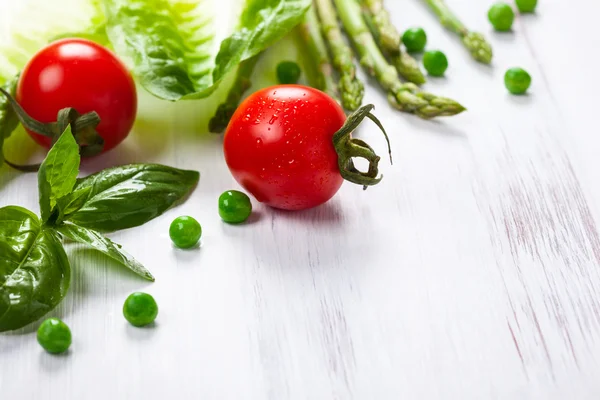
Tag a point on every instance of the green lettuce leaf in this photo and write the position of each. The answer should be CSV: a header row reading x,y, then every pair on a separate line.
x,y
176,47
35,23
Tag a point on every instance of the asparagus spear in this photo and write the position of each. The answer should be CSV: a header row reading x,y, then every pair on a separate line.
x,y
388,38
317,64
218,123
475,42
351,88
406,97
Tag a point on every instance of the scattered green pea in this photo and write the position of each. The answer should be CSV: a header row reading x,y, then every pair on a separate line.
x,y
526,6
288,72
501,15
185,232
234,207
140,309
54,336
414,39
517,80
435,62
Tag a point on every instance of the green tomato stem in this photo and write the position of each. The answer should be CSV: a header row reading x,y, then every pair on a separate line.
x,y
348,148
83,128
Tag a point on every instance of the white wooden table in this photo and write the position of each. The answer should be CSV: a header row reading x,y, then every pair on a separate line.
x,y
471,272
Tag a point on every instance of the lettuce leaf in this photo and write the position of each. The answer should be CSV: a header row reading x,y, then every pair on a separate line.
x,y
176,47
35,23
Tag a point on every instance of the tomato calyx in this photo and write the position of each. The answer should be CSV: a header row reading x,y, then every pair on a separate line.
x,y
83,128
348,148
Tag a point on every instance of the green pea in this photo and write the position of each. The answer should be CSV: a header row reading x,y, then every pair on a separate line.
x,y
54,336
288,72
140,309
185,232
517,80
501,15
414,39
234,207
526,6
435,62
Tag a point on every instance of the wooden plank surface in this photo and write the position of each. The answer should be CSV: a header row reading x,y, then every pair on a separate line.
x,y
471,272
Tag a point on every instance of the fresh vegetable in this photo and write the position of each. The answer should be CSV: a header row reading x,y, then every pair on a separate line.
x,y
234,207
140,309
8,118
317,64
405,97
81,74
475,42
435,62
34,269
351,88
389,40
242,83
501,15
172,43
526,6
290,147
54,336
414,39
517,80
288,72
32,27
130,195
185,232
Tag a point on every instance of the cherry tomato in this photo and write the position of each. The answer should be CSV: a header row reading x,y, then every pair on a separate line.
x,y
279,146
81,74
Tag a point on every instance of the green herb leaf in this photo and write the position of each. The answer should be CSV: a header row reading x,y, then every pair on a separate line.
x,y
72,202
172,42
34,269
104,245
130,195
8,118
58,173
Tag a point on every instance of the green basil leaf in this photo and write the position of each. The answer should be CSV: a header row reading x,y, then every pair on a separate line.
x,y
58,173
8,118
104,245
34,269
131,195
72,202
173,43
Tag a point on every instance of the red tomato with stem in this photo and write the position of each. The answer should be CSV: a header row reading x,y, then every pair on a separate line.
x,y
84,75
279,146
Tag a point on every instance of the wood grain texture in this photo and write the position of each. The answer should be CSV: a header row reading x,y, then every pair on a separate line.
x,y
472,272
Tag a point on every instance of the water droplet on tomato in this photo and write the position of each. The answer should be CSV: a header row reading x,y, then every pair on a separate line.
x,y
273,119
259,141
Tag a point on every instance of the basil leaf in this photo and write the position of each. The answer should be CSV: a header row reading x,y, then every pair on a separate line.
x,y
104,245
8,118
34,269
72,202
130,195
58,173
172,43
